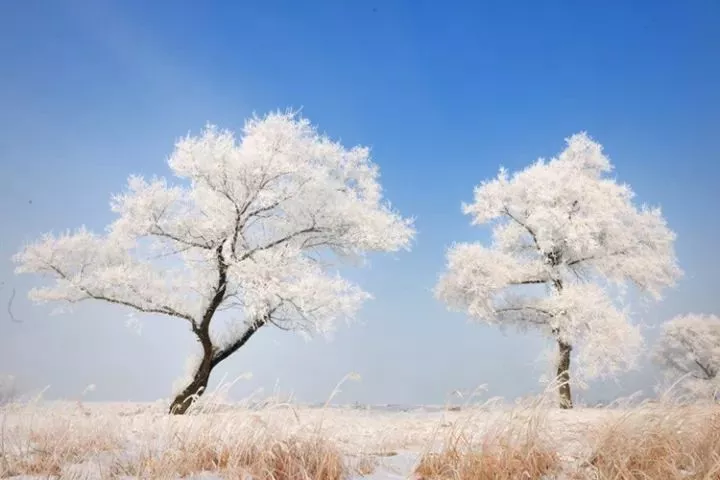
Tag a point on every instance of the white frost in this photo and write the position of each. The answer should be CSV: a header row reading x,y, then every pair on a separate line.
x,y
256,227
562,231
689,352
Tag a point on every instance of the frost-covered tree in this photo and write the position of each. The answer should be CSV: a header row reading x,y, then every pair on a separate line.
x,y
562,233
689,352
255,228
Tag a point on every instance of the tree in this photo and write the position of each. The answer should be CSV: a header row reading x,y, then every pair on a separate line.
x,y
689,352
255,229
563,232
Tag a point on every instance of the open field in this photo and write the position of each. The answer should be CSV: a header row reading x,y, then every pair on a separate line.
x,y
289,442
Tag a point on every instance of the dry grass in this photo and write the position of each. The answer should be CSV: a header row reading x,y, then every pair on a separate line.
x,y
364,465
490,462
286,442
44,449
670,442
75,444
510,447
273,459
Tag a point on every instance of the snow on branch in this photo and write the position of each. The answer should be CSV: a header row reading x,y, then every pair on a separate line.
x,y
253,224
560,224
87,266
689,351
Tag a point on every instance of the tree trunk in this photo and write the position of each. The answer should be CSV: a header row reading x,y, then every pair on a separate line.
x,y
196,388
211,358
563,375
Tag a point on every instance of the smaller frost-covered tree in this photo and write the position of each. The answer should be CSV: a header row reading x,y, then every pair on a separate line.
x,y
563,231
689,352
253,229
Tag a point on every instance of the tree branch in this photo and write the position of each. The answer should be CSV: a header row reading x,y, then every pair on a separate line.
x,y
706,370
237,344
524,308
9,307
280,241
529,282
159,232
515,309
525,226
595,257
161,310
219,295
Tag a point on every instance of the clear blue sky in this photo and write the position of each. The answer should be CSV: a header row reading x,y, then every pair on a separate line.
x,y
443,92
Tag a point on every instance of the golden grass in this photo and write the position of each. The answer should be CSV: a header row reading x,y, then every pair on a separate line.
x,y
271,459
491,462
363,466
149,447
513,446
286,442
45,450
669,442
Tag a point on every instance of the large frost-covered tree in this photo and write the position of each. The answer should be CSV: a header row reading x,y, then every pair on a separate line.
x,y
254,227
567,226
689,352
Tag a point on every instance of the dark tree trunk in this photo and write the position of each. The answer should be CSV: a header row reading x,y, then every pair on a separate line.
x,y
196,388
211,358
202,375
563,375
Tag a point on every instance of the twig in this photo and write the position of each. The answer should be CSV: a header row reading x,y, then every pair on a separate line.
x,y
9,308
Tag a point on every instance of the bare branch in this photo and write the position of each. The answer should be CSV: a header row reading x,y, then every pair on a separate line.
x,y
9,307
709,373
533,281
9,304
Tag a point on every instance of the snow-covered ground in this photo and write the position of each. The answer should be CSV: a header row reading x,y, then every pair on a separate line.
x,y
95,440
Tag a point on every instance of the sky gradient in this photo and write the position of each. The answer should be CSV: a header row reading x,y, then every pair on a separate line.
x,y
443,93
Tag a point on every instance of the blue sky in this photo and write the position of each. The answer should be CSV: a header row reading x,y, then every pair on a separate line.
x,y
443,92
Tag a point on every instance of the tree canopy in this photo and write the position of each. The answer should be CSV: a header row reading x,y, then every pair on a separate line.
x,y
255,227
563,230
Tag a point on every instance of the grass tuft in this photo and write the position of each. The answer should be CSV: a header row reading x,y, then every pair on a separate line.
x,y
281,441
513,446
669,442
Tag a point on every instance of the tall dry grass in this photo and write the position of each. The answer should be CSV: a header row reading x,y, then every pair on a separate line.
x,y
284,441
658,441
515,444
666,440
62,440
81,440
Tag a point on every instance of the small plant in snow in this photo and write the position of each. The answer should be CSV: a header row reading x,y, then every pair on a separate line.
x,y
562,232
689,352
253,231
